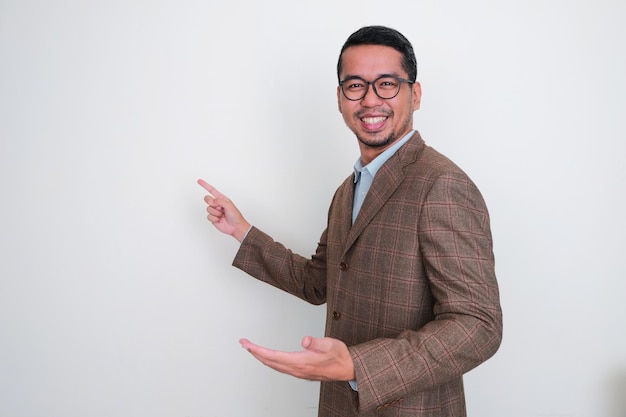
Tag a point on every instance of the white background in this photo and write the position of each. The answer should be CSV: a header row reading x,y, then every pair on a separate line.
x,y
117,297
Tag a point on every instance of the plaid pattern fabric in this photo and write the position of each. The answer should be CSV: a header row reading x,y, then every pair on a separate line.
x,y
410,287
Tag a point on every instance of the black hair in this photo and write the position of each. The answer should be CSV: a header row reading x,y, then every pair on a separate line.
x,y
381,35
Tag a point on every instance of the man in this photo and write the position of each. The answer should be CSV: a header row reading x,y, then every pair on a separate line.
x,y
405,264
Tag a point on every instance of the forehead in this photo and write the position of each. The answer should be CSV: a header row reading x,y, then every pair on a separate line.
x,y
371,61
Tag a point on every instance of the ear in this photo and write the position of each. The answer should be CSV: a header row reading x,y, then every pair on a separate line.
x,y
417,95
339,98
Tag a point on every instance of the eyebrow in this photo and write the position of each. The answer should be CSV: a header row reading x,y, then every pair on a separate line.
x,y
354,77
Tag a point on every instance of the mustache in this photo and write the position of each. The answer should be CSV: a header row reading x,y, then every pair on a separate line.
x,y
380,112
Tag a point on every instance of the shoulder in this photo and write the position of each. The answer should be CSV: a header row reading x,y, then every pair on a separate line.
x,y
419,159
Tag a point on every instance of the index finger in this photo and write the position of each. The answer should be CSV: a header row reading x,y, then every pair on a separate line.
x,y
212,190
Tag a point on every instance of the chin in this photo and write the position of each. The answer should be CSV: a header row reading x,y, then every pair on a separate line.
x,y
375,142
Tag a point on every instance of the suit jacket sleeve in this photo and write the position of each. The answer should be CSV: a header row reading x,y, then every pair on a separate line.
x,y
456,248
269,261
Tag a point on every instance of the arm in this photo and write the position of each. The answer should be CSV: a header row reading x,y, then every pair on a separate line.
x,y
269,261
322,359
265,259
456,249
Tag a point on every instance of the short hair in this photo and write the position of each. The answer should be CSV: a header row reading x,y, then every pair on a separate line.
x,y
385,36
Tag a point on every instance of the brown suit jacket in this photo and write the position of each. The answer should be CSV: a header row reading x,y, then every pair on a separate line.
x,y
410,287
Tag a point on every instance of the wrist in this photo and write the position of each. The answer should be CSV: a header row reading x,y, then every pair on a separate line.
x,y
241,232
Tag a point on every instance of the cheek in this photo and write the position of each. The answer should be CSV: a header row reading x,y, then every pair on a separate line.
x,y
345,108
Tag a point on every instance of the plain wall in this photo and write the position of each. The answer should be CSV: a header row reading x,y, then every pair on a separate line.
x,y
117,297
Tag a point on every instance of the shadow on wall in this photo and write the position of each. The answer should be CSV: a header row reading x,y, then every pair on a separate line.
x,y
617,394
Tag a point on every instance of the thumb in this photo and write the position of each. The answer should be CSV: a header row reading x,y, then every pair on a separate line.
x,y
308,342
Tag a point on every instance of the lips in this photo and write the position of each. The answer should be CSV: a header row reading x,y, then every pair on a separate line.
x,y
373,122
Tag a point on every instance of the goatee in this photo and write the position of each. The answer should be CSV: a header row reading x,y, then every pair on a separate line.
x,y
372,144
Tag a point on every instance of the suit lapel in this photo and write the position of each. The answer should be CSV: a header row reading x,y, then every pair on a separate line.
x,y
346,201
387,180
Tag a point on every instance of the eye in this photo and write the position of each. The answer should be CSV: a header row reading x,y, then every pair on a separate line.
x,y
354,85
387,83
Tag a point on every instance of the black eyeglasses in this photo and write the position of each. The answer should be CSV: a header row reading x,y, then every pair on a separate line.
x,y
385,87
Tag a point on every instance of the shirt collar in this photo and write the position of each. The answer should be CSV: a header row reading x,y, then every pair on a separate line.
x,y
378,162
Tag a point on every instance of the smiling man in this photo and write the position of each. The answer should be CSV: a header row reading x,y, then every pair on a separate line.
x,y
379,112
405,264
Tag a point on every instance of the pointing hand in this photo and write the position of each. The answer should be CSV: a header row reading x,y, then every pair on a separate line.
x,y
223,213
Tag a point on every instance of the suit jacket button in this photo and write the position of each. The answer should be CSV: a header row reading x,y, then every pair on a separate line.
x,y
343,266
336,315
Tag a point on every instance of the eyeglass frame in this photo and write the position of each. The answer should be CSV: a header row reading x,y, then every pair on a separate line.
x,y
372,83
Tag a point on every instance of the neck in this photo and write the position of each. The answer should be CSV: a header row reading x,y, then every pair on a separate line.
x,y
370,151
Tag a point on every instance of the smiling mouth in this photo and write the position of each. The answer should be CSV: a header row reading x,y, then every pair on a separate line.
x,y
373,120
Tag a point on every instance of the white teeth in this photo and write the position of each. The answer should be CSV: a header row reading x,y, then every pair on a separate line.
x,y
373,120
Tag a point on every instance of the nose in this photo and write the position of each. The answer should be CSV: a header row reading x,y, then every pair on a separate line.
x,y
370,99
